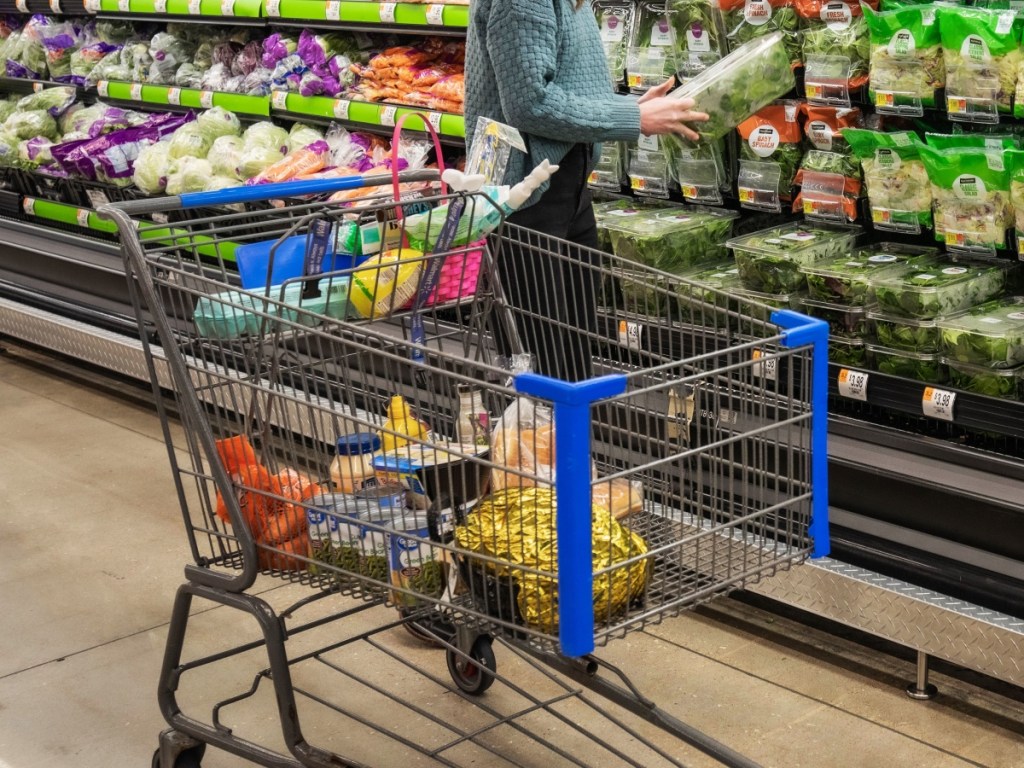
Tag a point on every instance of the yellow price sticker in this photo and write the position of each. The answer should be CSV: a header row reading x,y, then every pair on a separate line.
x,y
689,191
746,195
884,99
956,105
881,216
636,183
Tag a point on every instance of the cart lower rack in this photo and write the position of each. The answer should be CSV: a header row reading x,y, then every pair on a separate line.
x,y
368,422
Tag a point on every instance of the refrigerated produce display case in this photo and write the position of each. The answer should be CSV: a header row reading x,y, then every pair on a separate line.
x,y
926,449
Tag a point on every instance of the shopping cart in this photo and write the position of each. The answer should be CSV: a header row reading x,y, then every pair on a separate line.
x,y
686,460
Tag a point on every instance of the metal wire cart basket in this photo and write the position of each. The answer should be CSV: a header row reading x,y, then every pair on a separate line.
x,y
522,445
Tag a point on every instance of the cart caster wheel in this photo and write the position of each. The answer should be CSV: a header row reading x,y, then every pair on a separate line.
x,y
190,758
476,676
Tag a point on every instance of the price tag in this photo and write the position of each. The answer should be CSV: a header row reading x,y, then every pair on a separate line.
x,y
136,92
435,14
206,99
689,191
195,7
956,105
103,88
55,7
813,91
279,99
853,384
938,403
227,7
160,6
82,216
37,86
885,99
92,6
341,109
746,195
638,183
21,5
630,334
274,8
124,6
881,215
174,96
333,10
387,116
764,367
29,206
387,13
434,118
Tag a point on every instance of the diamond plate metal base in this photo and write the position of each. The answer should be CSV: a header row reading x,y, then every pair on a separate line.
x,y
959,632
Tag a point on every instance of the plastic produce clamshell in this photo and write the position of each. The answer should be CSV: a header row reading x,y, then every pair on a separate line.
x,y
844,279
991,334
933,288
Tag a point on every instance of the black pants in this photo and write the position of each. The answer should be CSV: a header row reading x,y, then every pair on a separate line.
x,y
552,283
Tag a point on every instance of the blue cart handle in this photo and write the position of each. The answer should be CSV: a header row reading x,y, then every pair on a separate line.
x,y
235,195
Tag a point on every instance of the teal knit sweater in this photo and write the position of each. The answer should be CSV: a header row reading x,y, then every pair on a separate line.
x,y
538,65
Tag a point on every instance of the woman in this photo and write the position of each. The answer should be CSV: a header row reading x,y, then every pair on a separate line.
x,y
539,66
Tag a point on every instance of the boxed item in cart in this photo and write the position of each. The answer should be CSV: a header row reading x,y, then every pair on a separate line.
x,y
923,366
673,240
932,288
733,89
986,380
233,314
909,333
844,279
844,321
851,352
990,334
770,260
435,476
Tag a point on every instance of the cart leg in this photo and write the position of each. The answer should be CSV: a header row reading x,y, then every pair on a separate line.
x,y
274,636
173,744
921,689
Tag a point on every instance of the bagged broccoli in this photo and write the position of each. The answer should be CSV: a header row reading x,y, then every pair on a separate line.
x,y
27,124
653,47
302,136
899,194
226,156
836,49
771,147
219,122
700,32
614,18
906,66
746,20
55,101
190,141
971,188
981,49
151,168
189,174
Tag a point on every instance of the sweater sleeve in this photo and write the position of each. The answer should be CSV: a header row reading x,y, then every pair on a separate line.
x,y
523,47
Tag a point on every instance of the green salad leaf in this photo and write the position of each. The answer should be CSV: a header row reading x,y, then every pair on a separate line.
x,y
905,333
993,382
897,184
653,47
981,49
614,18
909,365
673,240
851,352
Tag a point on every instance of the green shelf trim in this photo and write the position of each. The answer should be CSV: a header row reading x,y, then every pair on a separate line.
x,y
247,9
356,12
364,112
195,98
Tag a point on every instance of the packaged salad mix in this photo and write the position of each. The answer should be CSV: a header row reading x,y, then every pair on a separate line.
x,y
898,190
906,66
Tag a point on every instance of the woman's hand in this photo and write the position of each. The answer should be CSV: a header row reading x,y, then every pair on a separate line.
x,y
661,114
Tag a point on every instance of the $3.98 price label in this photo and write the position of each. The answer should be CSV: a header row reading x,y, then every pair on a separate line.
x,y
630,334
853,384
938,403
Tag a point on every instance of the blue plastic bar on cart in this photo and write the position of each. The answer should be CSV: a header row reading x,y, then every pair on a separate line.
x,y
572,490
257,192
798,331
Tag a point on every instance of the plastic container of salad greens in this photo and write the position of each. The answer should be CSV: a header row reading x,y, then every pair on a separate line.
x,y
608,212
851,352
844,279
771,260
928,367
756,307
700,296
850,322
930,288
672,239
733,89
986,380
907,333
991,334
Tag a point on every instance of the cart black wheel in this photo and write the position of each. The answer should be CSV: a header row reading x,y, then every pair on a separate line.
x,y
190,758
476,676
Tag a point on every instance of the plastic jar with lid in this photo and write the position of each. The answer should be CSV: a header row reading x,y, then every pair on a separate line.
x,y
352,468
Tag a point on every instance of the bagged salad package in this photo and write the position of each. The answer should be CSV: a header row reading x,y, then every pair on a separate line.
x,y
899,194
830,175
836,47
981,49
991,141
703,170
610,170
747,20
906,64
1015,160
614,17
653,46
971,189
647,167
770,151
700,33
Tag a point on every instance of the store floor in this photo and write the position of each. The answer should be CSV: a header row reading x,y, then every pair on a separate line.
x,y
92,549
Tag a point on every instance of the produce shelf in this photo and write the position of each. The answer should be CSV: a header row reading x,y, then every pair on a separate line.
x,y
200,11
63,213
24,85
436,18
189,98
366,115
43,7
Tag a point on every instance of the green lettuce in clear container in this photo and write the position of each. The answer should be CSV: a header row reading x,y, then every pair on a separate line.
x,y
844,321
844,280
991,334
849,352
756,307
771,260
610,212
907,333
922,366
701,298
673,240
928,289
986,380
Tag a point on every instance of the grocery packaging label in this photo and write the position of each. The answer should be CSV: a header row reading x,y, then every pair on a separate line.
x,y
837,16
902,44
764,141
630,334
387,13
938,403
663,35
853,384
613,28
697,39
970,187
435,14
757,13
820,133
333,10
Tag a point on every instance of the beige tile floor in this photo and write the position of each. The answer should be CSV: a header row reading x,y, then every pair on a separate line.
x,y
92,549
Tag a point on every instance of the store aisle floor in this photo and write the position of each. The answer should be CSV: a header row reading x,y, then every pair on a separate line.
x,y
92,549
